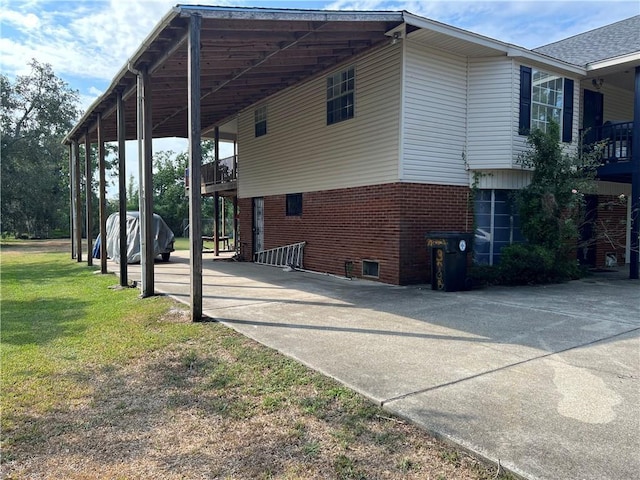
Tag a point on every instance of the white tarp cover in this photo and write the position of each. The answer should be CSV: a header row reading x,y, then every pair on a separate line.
x,y
163,237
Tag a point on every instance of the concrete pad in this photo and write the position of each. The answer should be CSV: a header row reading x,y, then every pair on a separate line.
x,y
544,379
562,416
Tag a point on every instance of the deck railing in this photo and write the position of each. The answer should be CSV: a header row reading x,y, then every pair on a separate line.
x,y
616,137
225,170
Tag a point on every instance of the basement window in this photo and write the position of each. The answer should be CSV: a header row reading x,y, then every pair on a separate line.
x,y
370,268
260,121
294,204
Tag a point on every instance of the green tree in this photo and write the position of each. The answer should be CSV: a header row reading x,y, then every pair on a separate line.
x,y
37,110
133,199
169,198
552,207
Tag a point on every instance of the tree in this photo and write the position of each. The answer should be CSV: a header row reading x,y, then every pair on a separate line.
x,y
169,198
37,110
552,209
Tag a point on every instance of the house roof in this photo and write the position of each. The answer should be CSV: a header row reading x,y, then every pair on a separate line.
x,y
604,43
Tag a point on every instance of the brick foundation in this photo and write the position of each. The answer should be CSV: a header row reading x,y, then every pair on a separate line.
x,y
383,223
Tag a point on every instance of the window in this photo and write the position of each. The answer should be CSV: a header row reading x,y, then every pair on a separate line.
x,y
294,204
340,96
545,98
261,121
497,225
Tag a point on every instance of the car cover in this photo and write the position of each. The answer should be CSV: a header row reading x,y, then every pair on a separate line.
x,y
163,237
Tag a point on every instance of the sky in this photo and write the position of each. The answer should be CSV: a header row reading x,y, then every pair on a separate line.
x,y
88,41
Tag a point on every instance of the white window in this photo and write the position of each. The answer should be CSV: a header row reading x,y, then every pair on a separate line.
x,y
340,96
546,100
260,121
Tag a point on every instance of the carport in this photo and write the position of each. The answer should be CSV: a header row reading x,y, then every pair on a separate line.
x,y
196,70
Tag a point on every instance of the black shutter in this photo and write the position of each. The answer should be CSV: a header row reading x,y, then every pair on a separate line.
x,y
567,111
525,101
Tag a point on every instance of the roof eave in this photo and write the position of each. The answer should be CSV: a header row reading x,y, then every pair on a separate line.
x,y
507,49
524,54
622,61
257,13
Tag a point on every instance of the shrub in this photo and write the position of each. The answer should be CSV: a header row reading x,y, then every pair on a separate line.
x,y
484,275
522,264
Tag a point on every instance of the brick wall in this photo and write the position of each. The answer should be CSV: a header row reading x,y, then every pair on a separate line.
x,y
610,229
384,223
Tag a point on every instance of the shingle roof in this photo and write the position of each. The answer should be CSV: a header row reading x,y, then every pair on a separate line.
x,y
606,42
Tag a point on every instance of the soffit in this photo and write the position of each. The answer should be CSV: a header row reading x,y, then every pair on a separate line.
x,y
450,43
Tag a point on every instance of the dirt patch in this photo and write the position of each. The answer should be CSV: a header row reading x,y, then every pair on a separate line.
x,y
37,246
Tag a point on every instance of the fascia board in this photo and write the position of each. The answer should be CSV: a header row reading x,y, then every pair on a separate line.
x,y
524,54
621,61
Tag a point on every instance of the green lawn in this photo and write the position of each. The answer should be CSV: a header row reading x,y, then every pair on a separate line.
x,y
58,316
98,383
181,243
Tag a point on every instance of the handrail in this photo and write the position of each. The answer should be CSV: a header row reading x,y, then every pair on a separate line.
x,y
616,138
212,173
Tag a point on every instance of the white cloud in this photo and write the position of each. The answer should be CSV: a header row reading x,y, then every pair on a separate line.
x,y
525,23
19,20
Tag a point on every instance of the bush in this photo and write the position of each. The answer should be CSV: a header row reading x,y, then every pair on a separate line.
x,y
484,275
522,264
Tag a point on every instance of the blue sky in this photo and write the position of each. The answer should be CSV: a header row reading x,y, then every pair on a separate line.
x,y
88,41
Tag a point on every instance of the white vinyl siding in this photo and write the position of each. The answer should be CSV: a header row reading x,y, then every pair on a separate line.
x,y
618,104
509,179
491,113
301,153
435,111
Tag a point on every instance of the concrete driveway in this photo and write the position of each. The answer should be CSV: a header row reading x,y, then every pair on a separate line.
x,y
545,380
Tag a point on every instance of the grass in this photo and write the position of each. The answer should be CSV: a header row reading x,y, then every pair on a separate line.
x,y
181,243
98,383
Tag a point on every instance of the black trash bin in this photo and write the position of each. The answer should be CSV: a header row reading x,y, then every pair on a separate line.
x,y
448,252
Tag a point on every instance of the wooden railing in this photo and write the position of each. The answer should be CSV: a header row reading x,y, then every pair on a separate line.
x,y
225,170
616,137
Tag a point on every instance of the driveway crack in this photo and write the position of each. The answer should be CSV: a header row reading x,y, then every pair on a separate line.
x,y
504,367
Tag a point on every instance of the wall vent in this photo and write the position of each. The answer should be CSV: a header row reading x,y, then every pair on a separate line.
x,y
370,268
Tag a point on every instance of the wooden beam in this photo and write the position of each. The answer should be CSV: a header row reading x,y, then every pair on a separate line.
x,y
77,200
216,195
89,193
146,188
71,202
195,163
122,189
103,197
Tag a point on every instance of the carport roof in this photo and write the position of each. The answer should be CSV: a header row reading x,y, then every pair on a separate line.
x,y
248,54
